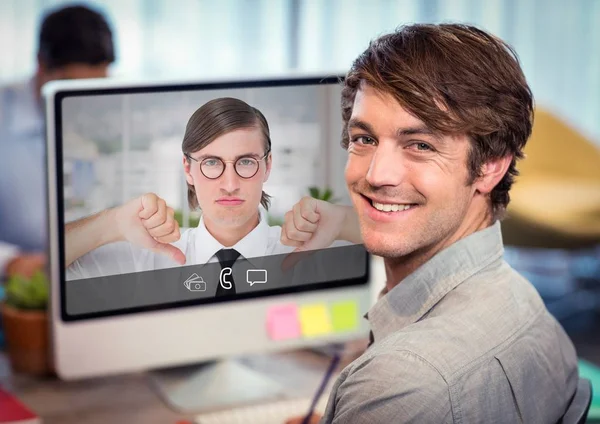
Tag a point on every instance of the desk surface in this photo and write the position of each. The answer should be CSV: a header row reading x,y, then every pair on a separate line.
x,y
119,399
130,398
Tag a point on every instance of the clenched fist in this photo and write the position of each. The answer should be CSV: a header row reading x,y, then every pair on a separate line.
x,y
148,222
313,224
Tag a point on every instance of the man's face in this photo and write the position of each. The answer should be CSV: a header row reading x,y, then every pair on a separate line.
x,y
408,185
230,200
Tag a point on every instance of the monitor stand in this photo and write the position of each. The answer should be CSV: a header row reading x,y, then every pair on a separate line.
x,y
235,382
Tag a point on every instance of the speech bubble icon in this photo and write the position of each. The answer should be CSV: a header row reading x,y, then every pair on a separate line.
x,y
256,276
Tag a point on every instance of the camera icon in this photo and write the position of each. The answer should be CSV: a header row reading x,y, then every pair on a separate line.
x,y
195,283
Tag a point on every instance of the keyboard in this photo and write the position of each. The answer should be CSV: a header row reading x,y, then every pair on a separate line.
x,y
276,412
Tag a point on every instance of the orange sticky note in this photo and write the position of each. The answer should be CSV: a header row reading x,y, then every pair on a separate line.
x,y
315,320
282,322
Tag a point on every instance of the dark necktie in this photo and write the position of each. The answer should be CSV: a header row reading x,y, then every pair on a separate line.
x,y
227,258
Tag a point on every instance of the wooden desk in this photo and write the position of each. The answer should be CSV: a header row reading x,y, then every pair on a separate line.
x,y
131,399
119,399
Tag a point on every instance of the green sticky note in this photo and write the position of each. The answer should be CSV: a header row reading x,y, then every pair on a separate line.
x,y
344,316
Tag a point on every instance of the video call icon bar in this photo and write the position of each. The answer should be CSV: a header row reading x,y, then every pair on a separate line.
x,y
196,283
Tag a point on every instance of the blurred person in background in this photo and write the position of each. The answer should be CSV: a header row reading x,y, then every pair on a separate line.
x,y
74,42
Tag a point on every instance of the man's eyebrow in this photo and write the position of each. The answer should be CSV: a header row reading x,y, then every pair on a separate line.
x,y
355,123
245,155
418,130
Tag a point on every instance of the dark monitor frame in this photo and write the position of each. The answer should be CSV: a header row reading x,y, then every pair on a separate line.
x,y
221,85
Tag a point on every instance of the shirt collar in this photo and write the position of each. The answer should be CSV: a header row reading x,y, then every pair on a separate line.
x,y
253,245
414,296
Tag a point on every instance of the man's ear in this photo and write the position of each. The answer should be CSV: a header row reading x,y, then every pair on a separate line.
x,y
491,174
186,169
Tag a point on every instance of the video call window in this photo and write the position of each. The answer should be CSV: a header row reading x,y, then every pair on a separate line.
x,y
119,144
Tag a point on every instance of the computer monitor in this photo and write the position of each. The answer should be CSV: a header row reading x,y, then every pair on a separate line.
x,y
111,141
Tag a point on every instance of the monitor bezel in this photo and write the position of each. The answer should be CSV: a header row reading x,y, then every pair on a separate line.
x,y
58,91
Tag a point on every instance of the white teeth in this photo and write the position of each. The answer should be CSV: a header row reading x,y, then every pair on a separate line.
x,y
387,207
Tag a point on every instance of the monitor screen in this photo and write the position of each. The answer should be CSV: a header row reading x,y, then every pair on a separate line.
x,y
226,161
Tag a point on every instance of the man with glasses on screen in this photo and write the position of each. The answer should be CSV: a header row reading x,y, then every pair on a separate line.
x,y
435,118
75,42
226,160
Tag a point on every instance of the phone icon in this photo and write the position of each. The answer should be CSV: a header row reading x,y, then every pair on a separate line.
x,y
223,281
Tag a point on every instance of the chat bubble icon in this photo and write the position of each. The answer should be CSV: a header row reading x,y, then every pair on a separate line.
x,y
256,276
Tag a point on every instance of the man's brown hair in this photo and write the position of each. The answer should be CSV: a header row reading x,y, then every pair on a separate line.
x,y
457,79
216,118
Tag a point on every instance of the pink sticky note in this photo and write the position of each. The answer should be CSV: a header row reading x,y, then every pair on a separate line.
x,y
282,322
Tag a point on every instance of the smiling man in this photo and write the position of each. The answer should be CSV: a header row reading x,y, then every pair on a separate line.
x,y
226,160
436,117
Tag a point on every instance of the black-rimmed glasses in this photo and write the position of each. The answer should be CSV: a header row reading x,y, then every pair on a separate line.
x,y
213,167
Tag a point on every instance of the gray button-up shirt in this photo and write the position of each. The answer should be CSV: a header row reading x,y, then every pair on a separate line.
x,y
463,339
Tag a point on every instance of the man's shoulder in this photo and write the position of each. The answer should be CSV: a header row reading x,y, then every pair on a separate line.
x,y
381,365
274,231
9,94
427,343
448,365
487,314
274,245
15,86
187,235
187,238
14,91
390,386
390,359
19,111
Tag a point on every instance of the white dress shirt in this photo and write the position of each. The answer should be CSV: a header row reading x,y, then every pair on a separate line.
x,y
197,244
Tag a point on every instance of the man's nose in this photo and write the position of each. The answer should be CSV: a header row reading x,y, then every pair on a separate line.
x,y
387,167
230,179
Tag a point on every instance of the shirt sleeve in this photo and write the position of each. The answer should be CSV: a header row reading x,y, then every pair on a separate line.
x,y
396,387
110,259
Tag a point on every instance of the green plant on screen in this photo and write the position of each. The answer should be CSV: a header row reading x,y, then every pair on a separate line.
x,y
325,194
194,219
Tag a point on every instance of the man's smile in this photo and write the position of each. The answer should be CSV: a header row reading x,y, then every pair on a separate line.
x,y
386,210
